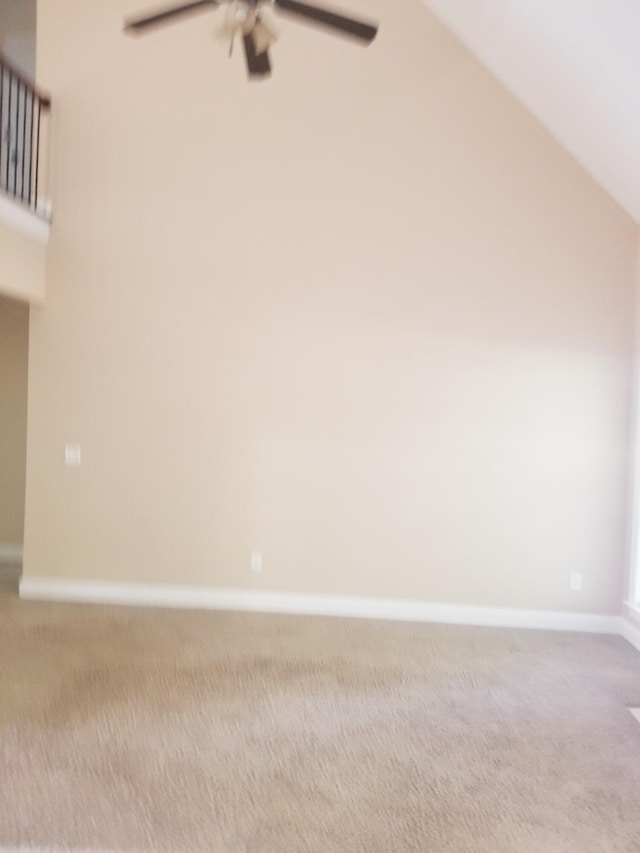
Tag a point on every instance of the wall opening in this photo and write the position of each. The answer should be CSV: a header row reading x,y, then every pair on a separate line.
x,y
14,354
18,34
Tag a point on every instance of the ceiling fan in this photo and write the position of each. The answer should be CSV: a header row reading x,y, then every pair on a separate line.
x,y
245,17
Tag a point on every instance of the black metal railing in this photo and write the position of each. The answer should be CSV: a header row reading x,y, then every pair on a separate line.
x,y
24,114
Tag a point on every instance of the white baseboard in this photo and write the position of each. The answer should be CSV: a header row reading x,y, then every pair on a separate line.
x,y
207,598
10,554
630,630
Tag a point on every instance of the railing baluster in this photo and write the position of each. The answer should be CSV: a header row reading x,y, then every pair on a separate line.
x,y
8,132
22,110
32,153
24,140
1,119
14,153
35,191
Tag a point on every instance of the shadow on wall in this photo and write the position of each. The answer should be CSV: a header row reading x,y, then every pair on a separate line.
x,y
14,345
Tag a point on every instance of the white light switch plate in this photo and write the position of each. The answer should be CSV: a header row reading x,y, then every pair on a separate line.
x,y
72,455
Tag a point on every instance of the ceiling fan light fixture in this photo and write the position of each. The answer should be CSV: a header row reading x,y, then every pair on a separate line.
x,y
263,36
240,12
243,17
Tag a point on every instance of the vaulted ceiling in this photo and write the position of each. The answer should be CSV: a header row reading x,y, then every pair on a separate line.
x,y
575,64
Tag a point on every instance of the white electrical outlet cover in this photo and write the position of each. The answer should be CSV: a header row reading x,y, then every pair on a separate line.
x,y
256,561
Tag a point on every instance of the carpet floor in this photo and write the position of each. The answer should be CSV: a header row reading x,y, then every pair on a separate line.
x,y
153,730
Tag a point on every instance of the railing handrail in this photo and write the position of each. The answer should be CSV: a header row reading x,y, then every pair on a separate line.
x,y
45,100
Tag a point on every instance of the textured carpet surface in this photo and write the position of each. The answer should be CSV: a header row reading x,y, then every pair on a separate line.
x,y
141,730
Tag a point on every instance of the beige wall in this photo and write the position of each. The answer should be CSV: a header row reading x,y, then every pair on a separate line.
x,y
632,582
366,317
22,257
14,346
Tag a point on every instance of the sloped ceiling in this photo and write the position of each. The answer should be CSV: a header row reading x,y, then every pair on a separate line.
x,y
575,64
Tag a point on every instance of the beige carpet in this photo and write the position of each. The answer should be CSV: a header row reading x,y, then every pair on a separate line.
x,y
127,729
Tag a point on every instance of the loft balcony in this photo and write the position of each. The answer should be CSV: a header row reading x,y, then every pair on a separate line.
x,y
25,210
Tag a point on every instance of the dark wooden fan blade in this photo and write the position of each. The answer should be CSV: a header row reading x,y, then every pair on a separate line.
x,y
258,64
349,26
137,25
